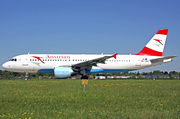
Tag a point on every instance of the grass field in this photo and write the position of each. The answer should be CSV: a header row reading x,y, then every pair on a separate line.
x,y
111,99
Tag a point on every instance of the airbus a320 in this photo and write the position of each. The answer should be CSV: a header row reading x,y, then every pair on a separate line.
x,y
67,65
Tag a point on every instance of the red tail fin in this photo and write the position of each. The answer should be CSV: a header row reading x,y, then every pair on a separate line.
x,y
156,45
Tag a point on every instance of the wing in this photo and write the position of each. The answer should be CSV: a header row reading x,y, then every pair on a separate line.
x,y
93,62
162,59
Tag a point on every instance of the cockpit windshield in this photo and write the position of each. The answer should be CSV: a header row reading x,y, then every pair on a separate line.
x,y
13,59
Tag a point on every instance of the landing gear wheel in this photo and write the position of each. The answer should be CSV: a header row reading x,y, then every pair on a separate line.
x,y
84,77
26,76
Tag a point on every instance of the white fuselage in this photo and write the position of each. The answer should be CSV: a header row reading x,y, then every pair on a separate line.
x,y
66,65
47,63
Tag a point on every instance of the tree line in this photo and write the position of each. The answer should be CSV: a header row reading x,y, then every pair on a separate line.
x,y
9,75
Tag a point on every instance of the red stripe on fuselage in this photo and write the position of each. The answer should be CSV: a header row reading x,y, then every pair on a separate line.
x,y
149,52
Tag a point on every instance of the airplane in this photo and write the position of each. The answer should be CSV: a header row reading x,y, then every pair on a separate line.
x,y
67,65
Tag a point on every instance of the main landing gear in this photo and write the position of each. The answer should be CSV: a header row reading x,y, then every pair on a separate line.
x,y
83,74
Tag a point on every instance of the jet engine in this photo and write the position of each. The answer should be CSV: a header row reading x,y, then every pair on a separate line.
x,y
63,72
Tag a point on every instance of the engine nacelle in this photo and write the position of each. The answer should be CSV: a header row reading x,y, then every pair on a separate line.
x,y
62,72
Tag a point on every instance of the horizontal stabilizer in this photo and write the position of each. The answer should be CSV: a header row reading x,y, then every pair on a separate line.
x,y
163,58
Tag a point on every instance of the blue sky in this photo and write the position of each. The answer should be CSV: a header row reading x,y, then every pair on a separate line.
x,y
92,27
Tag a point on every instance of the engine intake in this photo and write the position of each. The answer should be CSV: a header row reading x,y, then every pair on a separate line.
x,y
62,72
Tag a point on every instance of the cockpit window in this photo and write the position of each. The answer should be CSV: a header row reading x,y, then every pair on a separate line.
x,y
13,59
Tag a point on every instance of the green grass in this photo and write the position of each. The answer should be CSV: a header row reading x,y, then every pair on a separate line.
x,y
111,99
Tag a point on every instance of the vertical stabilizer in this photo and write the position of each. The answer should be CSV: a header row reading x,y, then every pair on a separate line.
x,y
155,46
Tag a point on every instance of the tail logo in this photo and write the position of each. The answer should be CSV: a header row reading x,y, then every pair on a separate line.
x,y
158,41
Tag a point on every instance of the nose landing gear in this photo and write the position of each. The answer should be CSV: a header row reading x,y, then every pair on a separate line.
x,y
26,76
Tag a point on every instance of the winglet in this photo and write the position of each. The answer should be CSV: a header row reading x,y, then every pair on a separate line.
x,y
114,55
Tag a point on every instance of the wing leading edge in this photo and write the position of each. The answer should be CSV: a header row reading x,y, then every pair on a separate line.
x,y
93,62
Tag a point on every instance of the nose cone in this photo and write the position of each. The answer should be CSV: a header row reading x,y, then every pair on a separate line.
x,y
5,66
